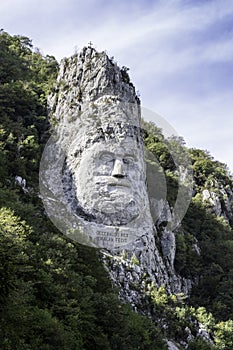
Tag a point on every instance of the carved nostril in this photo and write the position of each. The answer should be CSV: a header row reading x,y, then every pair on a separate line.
x,y
119,176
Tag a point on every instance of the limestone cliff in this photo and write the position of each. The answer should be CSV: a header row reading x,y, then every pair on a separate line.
x,y
85,80
94,102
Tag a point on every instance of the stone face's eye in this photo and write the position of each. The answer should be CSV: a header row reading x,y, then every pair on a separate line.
x,y
106,158
128,160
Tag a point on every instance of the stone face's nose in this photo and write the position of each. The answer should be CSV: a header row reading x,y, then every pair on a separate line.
x,y
118,169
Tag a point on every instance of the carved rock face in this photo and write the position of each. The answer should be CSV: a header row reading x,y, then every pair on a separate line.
x,y
109,181
92,175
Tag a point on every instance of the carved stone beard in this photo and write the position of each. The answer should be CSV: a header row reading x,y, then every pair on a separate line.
x,y
108,184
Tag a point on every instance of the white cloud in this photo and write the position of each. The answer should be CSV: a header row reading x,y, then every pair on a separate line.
x,y
204,123
172,49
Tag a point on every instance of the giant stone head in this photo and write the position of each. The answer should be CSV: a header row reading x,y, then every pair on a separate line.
x,y
93,174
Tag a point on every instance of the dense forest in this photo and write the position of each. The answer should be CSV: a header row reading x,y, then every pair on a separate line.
x,y
55,293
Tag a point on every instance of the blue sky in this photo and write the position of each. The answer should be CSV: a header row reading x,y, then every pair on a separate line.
x,y
180,54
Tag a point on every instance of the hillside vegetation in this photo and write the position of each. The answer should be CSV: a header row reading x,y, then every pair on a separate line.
x,y
56,294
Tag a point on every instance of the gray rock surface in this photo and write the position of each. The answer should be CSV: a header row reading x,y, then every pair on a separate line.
x,y
219,199
172,346
93,176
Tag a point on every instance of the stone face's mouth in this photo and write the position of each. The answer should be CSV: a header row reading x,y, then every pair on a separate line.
x,y
118,184
114,183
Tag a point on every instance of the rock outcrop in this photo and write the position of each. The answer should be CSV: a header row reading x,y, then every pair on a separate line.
x,y
94,101
219,199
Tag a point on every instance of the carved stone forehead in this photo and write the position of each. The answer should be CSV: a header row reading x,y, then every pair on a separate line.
x,y
122,148
108,121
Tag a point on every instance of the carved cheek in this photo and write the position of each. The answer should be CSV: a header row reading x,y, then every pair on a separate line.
x,y
135,173
84,174
102,169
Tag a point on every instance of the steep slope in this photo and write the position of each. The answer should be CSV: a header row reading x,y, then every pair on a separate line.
x,y
89,87
55,293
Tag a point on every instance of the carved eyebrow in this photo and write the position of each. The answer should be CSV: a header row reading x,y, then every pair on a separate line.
x,y
113,154
108,153
130,155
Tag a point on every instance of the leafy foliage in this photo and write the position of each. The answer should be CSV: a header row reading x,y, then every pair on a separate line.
x,y
26,79
204,245
54,293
